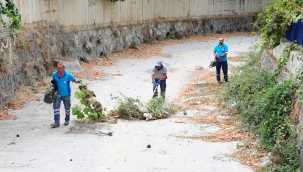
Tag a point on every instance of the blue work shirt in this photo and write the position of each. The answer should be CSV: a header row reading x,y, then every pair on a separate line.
x,y
63,83
221,50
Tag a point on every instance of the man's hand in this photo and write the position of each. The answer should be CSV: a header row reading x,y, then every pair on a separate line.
x,y
79,81
155,84
218,57
159,81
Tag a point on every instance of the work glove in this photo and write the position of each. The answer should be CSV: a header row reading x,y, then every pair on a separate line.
x,y
159,81
155,84
79,81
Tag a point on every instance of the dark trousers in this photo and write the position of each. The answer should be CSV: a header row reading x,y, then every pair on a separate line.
x,y
224,66
162,87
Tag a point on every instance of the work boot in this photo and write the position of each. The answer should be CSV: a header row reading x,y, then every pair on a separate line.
x,y
219,82
55,125
66,123
226,79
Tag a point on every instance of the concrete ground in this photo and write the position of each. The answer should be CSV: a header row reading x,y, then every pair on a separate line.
x,y
77,147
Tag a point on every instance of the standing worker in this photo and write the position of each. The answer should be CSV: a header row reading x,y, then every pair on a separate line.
x,y
220,53
159,76
62,79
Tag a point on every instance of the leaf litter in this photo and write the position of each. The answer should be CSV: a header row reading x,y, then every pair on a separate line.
x,y
195,93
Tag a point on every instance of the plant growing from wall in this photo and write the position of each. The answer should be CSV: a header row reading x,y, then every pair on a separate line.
x,y
10,10
264,106
276,19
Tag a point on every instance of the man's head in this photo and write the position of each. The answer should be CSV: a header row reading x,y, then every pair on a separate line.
x,y
60,67
158,64
221,40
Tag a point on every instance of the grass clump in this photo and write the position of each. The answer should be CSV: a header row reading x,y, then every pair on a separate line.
x,y
131,108
127,108
158,108
155,105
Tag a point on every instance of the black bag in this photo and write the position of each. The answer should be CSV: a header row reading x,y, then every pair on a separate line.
x,y
55,86
49,97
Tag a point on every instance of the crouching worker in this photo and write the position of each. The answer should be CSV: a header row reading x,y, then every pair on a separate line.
x,y
62,79
159,76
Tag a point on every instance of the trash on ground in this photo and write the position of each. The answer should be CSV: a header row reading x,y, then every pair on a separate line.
x,y
179,121
105,132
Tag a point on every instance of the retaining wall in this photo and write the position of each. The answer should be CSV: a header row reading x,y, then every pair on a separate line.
x,y
26,60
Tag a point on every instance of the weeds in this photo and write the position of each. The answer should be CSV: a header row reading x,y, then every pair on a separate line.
x,y
264,105
154,106
131,108
127,108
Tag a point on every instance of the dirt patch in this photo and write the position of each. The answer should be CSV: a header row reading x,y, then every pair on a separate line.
x,y
22,96
194,93
236,59
91,74
250,154
89,127
4,115
203,91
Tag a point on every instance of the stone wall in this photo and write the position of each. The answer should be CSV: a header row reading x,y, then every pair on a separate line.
x,y
28,59
19,67
94,43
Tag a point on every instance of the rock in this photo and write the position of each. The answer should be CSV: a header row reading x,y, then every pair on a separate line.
x,y
105,132
17,135
266,160
148,116
199,67
143,110
72,66
148,146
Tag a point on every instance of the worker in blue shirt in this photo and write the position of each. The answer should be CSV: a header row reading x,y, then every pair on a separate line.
x,y
63,79
220,53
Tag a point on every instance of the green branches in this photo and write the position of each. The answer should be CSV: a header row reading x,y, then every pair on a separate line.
x,y
276,19
11,11
265,106
90,107
127,108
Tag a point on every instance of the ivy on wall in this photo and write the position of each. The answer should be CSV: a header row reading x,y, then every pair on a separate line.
x,y
10,10
276,19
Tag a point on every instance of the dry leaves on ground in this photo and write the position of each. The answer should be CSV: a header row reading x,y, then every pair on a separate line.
x,y
249,154
22,96
229,131
155,48
91,73
236,59
4,115
202,91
